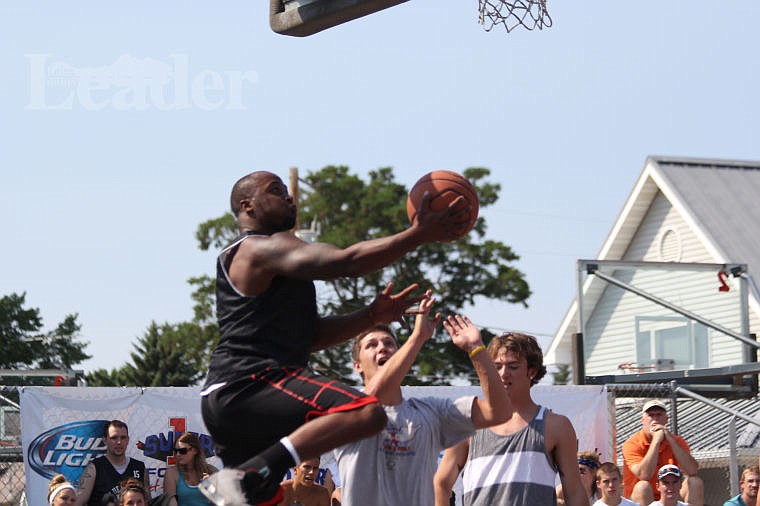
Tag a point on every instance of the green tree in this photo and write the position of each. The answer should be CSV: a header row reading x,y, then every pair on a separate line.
x,y
26,346
105,378
160,358
351,210
562,375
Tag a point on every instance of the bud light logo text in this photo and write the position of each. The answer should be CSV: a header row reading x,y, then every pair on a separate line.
x,y
67,449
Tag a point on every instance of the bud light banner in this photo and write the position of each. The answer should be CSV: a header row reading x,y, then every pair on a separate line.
x,y
66,449
63,428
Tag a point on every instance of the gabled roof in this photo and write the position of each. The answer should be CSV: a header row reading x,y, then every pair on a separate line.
x,y
719,199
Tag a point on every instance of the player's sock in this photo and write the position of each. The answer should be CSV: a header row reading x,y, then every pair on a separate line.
x,y
271,465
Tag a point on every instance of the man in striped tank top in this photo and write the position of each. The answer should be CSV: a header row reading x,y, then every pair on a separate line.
x,y
516,462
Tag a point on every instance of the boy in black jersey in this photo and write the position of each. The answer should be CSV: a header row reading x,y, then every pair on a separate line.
x,y
258,389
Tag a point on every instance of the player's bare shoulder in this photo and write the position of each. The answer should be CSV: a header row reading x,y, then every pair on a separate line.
x,y
558,428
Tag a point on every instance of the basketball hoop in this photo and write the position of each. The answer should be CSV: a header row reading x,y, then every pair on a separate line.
x,y
529,14
634,368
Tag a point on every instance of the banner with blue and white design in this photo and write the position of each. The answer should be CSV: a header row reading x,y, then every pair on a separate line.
x,y
62,430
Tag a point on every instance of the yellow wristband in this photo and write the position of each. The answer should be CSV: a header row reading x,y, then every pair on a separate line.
x,y
477,350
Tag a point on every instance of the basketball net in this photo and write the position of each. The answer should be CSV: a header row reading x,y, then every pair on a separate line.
x,y
529,14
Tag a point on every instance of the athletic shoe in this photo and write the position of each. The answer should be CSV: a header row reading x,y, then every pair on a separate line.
x,y
225,488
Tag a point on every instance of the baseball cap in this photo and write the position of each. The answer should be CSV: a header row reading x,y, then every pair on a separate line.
x,y
669,469
654,403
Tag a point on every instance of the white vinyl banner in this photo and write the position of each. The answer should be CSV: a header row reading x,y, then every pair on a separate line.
x,y
62,427
588,407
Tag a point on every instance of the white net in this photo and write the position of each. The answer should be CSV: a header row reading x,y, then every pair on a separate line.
x,y
529,14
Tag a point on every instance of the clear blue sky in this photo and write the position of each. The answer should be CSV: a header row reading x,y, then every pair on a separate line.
x,y
102,187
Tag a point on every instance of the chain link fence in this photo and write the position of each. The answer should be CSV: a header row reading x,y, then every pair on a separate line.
x,y
12,480
719,432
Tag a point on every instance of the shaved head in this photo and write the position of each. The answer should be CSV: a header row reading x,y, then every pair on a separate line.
x,y
243,189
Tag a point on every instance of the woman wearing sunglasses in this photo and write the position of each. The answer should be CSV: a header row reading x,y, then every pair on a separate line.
x,y
182,480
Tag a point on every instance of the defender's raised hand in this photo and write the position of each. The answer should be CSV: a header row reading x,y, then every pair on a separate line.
x,y
463,332
424,326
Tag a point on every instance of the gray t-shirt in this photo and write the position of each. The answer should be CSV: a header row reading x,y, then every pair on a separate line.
x,y
396,467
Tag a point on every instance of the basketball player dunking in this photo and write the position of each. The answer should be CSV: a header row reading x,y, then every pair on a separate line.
x,y
264,409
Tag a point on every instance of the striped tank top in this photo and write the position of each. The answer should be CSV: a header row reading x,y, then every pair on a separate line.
x,y
512,469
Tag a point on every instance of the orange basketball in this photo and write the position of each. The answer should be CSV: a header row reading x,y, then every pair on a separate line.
x,y
444,186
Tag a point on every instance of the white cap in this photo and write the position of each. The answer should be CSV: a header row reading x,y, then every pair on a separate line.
x,y
654,403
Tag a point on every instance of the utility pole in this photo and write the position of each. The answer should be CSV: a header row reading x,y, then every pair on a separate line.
x,y
294,193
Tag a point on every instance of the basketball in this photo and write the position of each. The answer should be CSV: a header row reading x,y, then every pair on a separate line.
x,y
444,186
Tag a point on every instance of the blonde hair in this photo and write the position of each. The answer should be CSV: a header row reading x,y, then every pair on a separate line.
x,y
57,484
749,470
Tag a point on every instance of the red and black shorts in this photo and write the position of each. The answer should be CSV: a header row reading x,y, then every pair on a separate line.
x,y
248,415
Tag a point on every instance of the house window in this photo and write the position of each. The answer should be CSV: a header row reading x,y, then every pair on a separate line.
x,y
673,337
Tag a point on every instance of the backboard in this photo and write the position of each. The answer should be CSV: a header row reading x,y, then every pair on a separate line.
x,y
663,315
643,322
301,18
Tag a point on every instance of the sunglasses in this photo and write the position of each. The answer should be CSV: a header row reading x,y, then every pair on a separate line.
x,y
181,451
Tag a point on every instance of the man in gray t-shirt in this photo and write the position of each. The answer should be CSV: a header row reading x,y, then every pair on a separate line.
x,y
397,466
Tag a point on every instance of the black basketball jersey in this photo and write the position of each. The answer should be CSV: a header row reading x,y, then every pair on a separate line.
x,y
278,324
107,480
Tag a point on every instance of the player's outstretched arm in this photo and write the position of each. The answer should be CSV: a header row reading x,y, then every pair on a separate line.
x,y
385,385
451,464
386,308
283,253
496,407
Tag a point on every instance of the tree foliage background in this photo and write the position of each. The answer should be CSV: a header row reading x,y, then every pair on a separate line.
x,y
25,346
349,209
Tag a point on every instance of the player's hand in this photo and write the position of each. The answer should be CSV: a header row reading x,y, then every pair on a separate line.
x,y
463,332
446,225
424,326
391,307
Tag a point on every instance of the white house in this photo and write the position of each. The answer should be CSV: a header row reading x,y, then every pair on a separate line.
x,y
681,211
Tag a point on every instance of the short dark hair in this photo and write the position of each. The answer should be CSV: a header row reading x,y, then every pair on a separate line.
x,y
115,423
242,189
523,346
380,327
